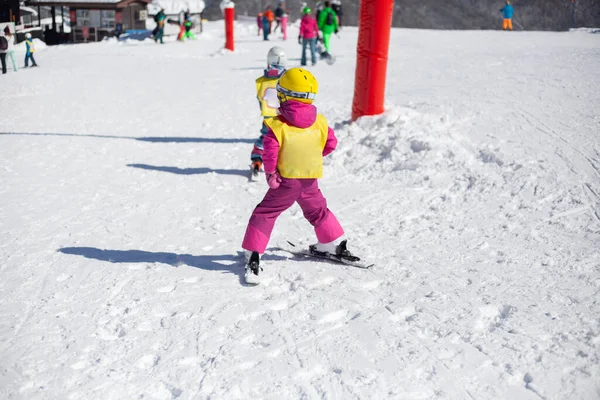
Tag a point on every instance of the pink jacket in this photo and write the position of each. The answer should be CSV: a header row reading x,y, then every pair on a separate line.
x,y
296,114
308,27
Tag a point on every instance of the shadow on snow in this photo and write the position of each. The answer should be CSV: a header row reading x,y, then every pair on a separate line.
x,y
192,171
230,263
151,139
227,263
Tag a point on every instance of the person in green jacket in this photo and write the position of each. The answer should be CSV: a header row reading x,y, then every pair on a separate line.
x,y
188,25
328,24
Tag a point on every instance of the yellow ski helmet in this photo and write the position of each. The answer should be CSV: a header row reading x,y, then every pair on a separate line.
x,y
297,84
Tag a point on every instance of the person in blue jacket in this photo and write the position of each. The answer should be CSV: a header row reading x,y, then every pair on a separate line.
x,y
508,12
29,50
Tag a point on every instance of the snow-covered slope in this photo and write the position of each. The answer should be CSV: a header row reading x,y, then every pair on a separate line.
x,y
124,200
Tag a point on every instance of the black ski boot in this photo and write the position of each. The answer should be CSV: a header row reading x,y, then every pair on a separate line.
x,y
253,269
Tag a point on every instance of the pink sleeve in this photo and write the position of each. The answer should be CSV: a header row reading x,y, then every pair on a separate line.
x,y
271,152
330,145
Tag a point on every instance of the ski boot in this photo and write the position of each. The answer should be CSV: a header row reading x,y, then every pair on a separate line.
x,y
333,251
253,268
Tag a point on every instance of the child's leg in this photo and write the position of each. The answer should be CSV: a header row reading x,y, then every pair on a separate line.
x,y
12,58
257,150
510,25
315,210
265,214
33,63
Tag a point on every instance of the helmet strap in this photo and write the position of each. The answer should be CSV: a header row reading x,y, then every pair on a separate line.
x,y
274,71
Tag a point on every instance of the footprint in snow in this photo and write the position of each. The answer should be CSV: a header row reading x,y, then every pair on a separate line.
x,y
278,306
147,361
371,284
333,316
63,277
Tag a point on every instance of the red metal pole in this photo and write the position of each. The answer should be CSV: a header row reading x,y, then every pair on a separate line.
x,y
229,17
374,26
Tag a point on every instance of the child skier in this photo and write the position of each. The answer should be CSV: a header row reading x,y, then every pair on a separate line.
x,y
284,24
328,24
259,17
29,50
294,147
266,93
187,26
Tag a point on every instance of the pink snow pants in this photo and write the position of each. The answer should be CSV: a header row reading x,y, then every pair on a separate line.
x,y
309,197
284,22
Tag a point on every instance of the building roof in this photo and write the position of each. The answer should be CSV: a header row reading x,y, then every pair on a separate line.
x,y
29,10
86,3
173,7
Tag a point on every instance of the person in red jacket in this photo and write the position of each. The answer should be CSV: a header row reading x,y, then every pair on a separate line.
x,y
268,18
309,32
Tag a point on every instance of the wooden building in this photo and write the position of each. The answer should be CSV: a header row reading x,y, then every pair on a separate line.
x,y
9,11
93,20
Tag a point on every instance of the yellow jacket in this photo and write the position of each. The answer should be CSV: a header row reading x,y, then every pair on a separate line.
x,y
300,149
266,93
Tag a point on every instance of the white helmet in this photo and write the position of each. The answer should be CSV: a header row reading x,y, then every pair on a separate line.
x,y
28,35
276,57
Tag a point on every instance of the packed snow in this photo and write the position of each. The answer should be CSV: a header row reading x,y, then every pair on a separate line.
x,y
125,196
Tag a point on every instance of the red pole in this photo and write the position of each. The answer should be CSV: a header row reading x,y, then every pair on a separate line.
x,y
229,17
372,56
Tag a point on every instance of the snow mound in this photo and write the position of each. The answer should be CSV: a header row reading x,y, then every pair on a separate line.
x,y
401,142
429,152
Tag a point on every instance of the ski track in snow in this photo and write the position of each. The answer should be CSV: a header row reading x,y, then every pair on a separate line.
x,y
477,195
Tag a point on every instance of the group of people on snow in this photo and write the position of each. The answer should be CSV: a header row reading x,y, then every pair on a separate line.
x,y
185,24
266,19
7,49
326,22
293,140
